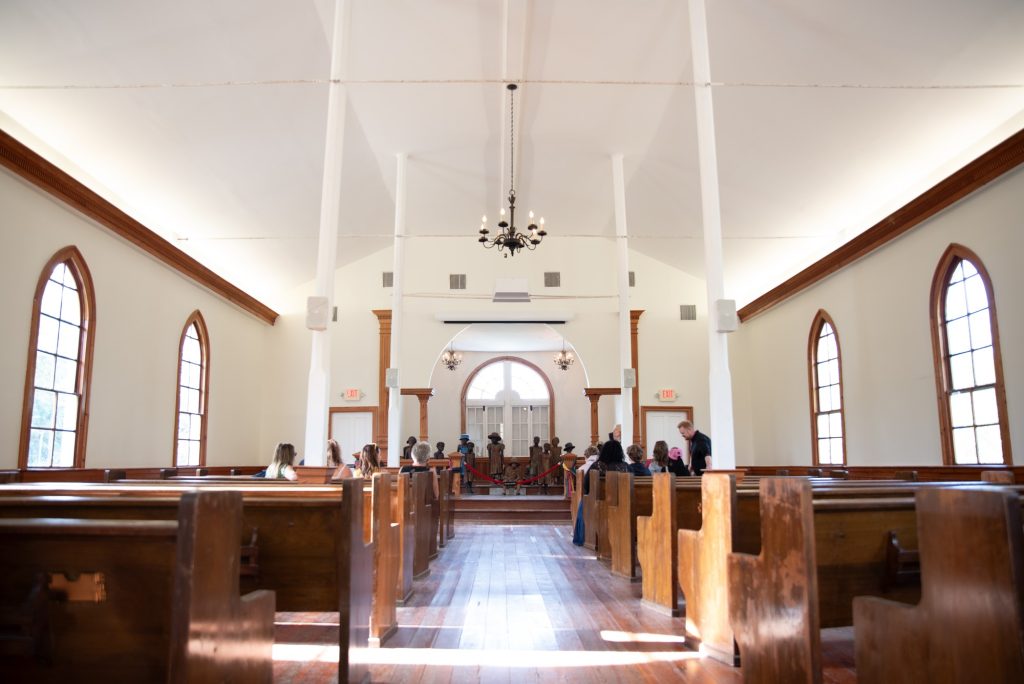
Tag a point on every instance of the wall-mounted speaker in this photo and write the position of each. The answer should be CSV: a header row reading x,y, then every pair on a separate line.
x,y
629,377
391,378
317,313
726,320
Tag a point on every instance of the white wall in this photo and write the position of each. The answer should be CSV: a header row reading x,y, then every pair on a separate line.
x,y
880,306
141,307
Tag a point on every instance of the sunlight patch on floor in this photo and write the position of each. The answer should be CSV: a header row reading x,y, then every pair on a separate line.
x,y
636,637
478,658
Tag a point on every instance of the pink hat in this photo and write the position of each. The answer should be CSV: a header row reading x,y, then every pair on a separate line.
x,y
675,453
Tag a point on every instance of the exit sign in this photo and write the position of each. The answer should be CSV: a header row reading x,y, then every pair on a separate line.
x,y
352,394
667,395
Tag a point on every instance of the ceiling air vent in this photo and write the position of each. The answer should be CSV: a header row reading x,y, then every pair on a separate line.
x,y
687,312
511,290
552,279
457,281
632,279
388,279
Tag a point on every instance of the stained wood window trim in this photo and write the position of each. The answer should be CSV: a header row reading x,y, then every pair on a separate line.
x,y
75,263
821,319
194,319
950,259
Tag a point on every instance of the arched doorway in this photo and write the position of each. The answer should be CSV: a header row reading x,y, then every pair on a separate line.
x,y
510,396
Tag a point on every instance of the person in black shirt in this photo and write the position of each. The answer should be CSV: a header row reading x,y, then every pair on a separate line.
x,y
699,447
420,454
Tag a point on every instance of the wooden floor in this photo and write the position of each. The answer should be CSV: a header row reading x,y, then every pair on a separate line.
x,y
513,603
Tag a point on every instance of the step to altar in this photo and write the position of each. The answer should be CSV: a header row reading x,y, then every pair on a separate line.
x,y
531,508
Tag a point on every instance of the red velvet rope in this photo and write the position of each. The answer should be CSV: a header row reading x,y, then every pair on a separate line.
x,y
517,482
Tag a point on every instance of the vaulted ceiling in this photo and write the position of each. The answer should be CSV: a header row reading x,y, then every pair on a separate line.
x,y
206,120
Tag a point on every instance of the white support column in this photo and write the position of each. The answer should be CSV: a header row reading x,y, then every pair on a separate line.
x,y
624,411
395,440
317,397
720,428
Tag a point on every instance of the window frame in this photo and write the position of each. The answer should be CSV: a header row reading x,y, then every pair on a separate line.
x,y
195,318
75,262
950,259
500,359
821,318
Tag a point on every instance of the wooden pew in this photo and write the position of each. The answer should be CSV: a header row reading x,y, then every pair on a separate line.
x,y
998,477
773,597
312,550
386,541
141,598
969,625
627,497
595,517
423,496
703,555
404,513
444,489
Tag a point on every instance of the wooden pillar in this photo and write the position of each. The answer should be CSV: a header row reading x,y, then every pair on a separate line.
x,y
634,327
595,394
384,321
423,394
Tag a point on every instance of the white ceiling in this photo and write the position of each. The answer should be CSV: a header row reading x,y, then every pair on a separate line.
x,y
206,120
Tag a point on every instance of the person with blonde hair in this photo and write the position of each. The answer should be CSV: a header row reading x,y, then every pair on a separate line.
x,y
341,471
369,461
282,468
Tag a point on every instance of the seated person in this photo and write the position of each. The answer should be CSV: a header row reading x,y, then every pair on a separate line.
x,y
369,462
676,464
420,455
341,471
440,451
281,468
636,460
407,449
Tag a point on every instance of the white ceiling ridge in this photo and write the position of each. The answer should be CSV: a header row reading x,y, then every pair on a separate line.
x,y
506,317
520,81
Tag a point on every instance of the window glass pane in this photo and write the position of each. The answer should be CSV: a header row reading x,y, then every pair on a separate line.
x,y
990,444
824,451
44,370
193,453
67,341
967,268
834,371
981,329
837,402
47,334
960,409
69,279
962,371
183,425
67,412
487,383
70,308
182,452
196,427
822,353
526,382
984,367
825,399
40,448
63,449
65,375
823,425
44,404
835,425
977,298
837,450
831,348
963,446
985,411
824,374
50,305
190,350
958,338
59,272
956,301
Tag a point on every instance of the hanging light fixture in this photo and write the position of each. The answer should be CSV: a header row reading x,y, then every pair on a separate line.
x,y
508,236
564,359
451,358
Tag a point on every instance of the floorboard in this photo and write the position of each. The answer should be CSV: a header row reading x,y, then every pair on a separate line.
x,y
519,603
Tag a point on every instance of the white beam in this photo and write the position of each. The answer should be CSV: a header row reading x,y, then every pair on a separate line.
x,y
719,382
624,412
317,396
395,441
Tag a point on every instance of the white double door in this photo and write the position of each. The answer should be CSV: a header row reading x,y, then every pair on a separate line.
x,y
518,424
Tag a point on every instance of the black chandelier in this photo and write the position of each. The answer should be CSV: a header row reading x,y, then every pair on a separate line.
x,y
508,237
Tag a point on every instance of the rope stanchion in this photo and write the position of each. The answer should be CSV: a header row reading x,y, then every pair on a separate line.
x,y
517,482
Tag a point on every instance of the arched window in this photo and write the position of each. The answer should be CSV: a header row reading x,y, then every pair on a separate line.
x,y
968,365
193,383
828,425
509,396
56,406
